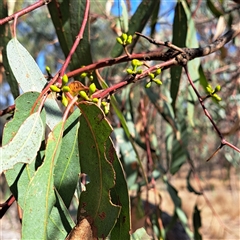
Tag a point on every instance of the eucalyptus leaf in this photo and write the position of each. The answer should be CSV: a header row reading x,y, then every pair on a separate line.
x,y
95,203
40,197
25,145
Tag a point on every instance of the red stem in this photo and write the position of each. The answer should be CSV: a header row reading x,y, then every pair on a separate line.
x,y
223,141
5,206
24,11
78,39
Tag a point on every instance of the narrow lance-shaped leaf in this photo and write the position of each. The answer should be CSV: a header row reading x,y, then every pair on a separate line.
x,y
95,203
25,145
60,221
67,166
30,78
119,195
83,51
5,36
197,223
179,39
18,178
40,197
193,66
25,69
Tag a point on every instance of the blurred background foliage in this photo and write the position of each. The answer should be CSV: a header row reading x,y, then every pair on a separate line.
x,y
180,136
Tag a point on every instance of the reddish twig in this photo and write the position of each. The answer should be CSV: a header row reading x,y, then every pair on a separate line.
x,y
7,110
200,99
161,43
131,79
59,75
23,12
5,206
77,41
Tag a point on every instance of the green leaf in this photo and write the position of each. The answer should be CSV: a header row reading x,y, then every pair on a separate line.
x,y
176,73
140,234
67,166
213,9
173,193
154,18
179,150
203,80
25,145
5,36
137,22
18,177
189,186
119,195
25,69
163,107
60,15
124,17
30,78
60,221
95,203
197,223
40,197
76,17
193,66
128,155
177,203
179,39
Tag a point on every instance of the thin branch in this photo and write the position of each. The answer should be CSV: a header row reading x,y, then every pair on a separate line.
x,y
130,79
24,11
161,43
6,205
200,99
78,39
182,58
7,110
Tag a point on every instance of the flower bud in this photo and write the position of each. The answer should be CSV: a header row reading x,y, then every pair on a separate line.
x,y
83,75
129,39
119,40
84,95
64,79
92,88
64,101
65,88
129,71
158,71
217,88
151,75
148,85
54,88
124,37
158,81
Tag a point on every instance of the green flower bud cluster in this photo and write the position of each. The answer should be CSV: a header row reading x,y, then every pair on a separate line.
x,y
153,78
105,106
87,74
124,39
62,90
135,64
87,96
213,92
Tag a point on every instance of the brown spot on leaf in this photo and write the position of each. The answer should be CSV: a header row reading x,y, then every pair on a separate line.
x,y
102,215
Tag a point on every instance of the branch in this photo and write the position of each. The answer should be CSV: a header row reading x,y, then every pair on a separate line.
x,y
178,57
200,99
24,11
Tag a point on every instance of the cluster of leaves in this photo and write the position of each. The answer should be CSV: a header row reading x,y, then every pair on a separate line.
x,y
44,150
